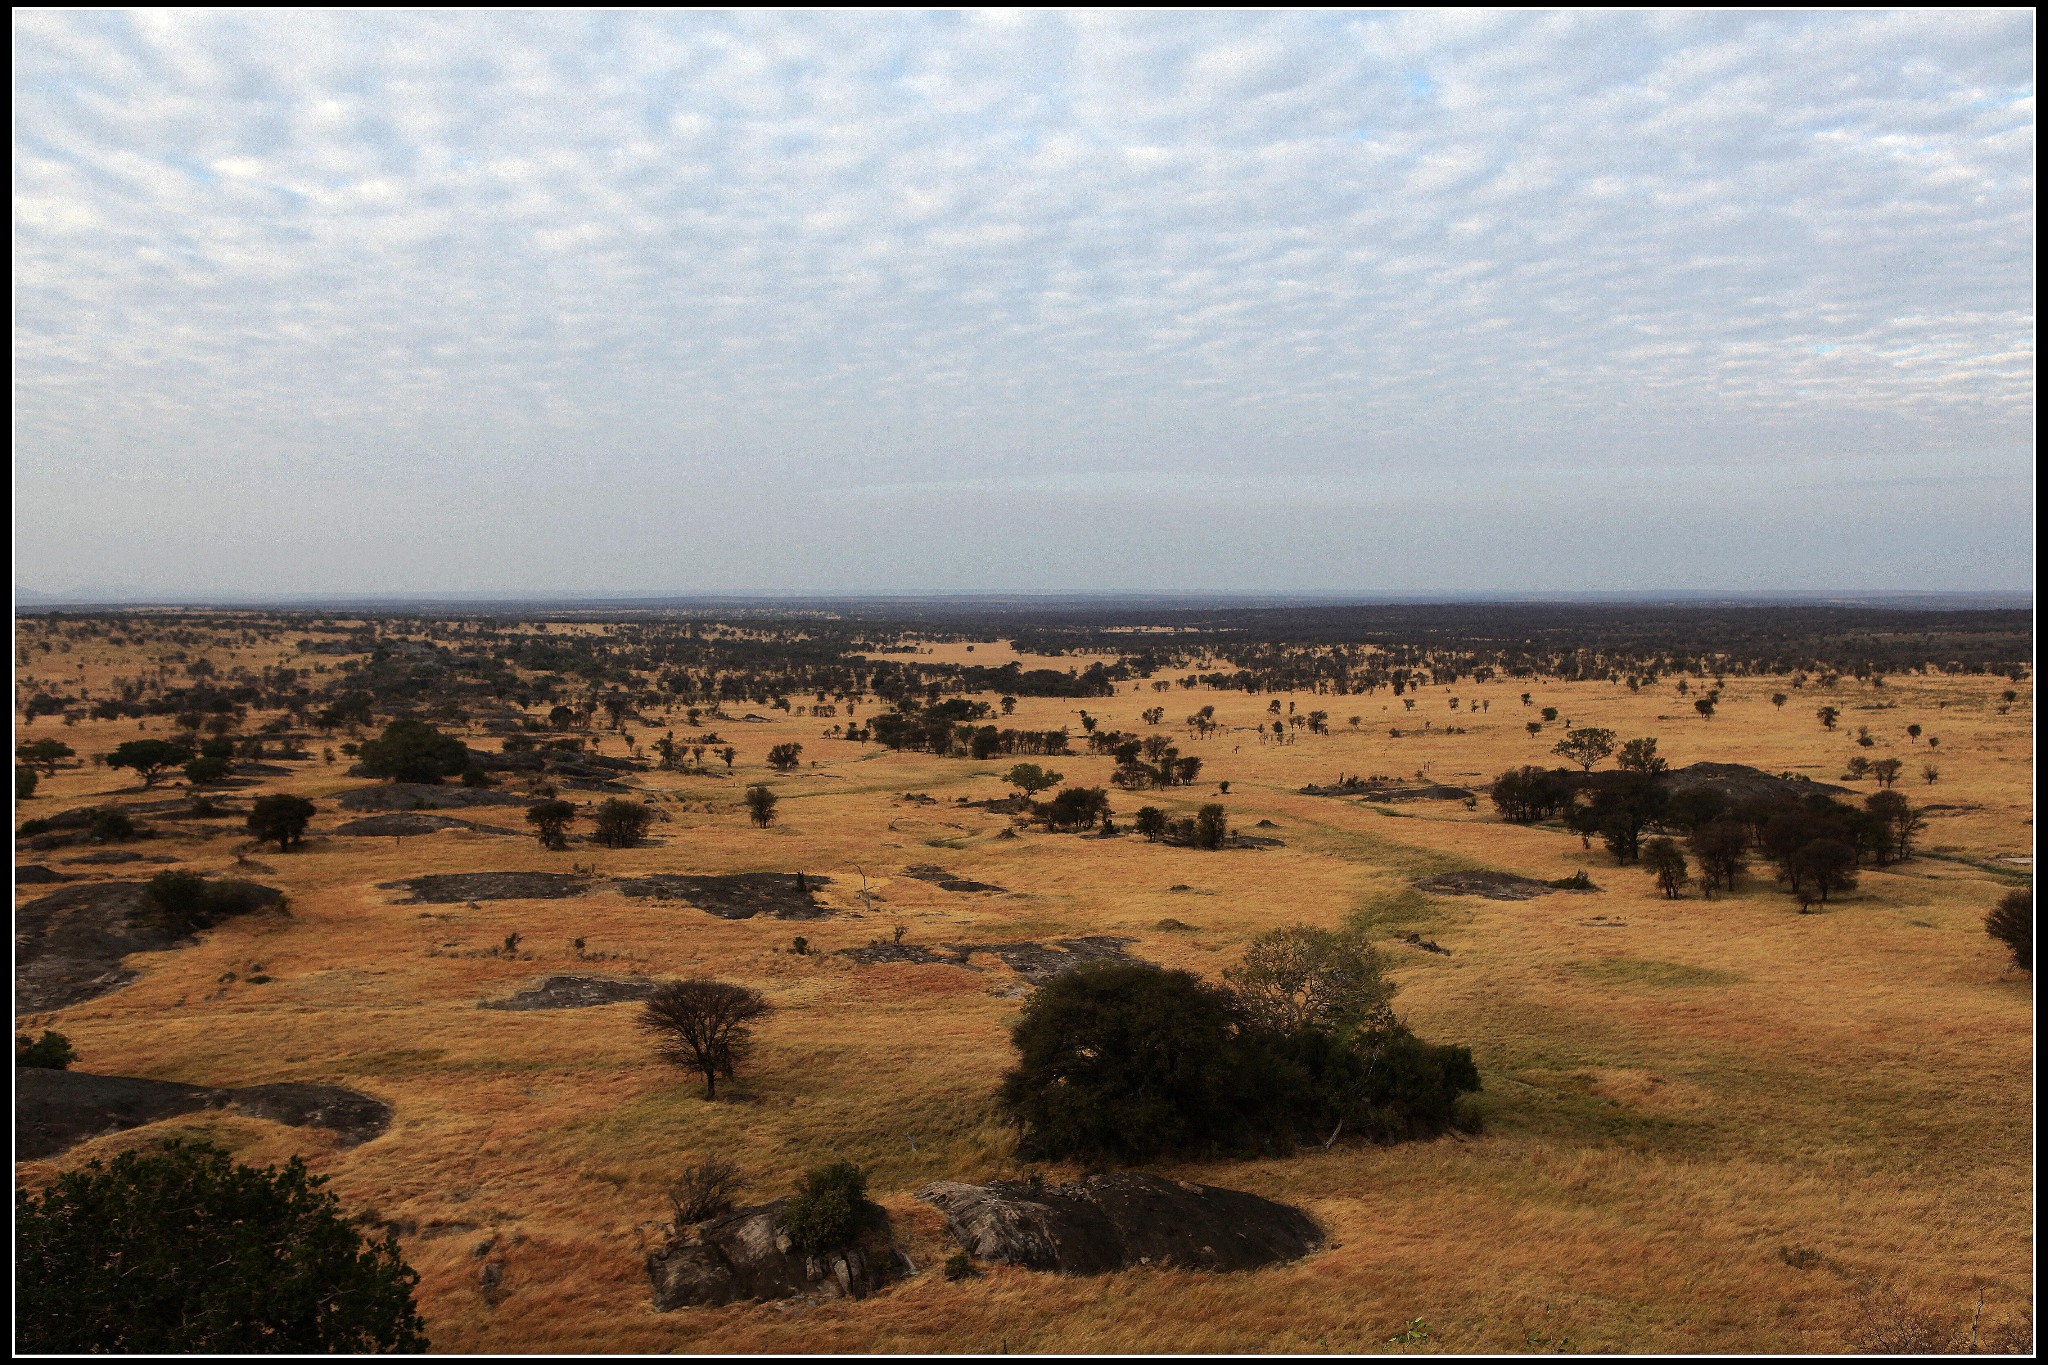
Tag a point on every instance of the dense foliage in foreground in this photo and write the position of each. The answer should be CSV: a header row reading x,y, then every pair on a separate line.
x,y
183,1250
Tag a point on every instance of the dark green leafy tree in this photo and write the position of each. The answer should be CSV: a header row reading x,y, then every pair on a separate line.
x,y
414,751
25,780
149,758
1150,821
1828,716
2011,922
761,806
52,1051
182,1251
551,821
1640,756
1211,826
206,771
1720,847
830,1209
620,823
280,819
1527,794
783,757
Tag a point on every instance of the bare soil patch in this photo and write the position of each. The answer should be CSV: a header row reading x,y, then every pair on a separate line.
x,y
57,1110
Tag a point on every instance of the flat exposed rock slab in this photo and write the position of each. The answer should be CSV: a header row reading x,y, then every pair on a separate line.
x,y
1494,886
1037,963
1739,782
1112,1222
68,945
35,874
453,888
947,881
739,895
410,795
747,1255
399,823
1391,791
56,1110
574,993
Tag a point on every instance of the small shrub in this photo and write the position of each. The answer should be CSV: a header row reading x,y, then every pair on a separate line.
x,y
829,1209
51,1052
960,1266
1578,881
708,1189
107,825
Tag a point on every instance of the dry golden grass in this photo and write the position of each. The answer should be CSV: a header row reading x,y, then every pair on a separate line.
x,y
1678,1107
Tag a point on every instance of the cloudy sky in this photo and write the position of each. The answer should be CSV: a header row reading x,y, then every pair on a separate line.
x,y
654,302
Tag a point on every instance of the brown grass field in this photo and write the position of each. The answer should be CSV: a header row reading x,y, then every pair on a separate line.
x,y
1677,1107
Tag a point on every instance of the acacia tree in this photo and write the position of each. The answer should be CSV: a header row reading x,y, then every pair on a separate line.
x,y
761,806
1586,746
1031,779
1300,977
783,757
703,1025
150,758
550,821
1828,716
44,754
1640,756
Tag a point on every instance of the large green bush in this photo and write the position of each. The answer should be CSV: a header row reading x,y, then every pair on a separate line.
x,y
181,1250
829,1209
1133,1062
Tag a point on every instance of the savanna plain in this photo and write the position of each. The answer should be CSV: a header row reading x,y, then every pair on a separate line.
x,y
1722,1124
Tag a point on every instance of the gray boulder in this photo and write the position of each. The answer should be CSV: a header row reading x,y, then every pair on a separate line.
x,y
747,1254
1111,1222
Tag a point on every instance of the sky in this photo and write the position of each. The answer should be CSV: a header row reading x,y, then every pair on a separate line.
x,y
587,303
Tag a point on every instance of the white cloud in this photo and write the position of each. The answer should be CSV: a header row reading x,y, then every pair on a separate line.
x,y
726,257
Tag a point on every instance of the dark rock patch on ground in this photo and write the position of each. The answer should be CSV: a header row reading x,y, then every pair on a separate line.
x,y
452,888
57,1110
1111,1222
738,895
1494,886
947,881
35,874
747,1254
1390,791
68,945
1039,963
574,993
423,796
404,822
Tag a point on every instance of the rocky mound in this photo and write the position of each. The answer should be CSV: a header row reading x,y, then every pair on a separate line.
x,y
947,881
1111,1222
573,993
35,874
739,895
747,1254
1390,791
1037,963
68,945
1739,782
1494,886
404,822
57,1110
453,888
423,796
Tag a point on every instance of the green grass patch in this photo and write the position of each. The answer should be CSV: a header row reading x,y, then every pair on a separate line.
x,y
1633,971
1390,913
